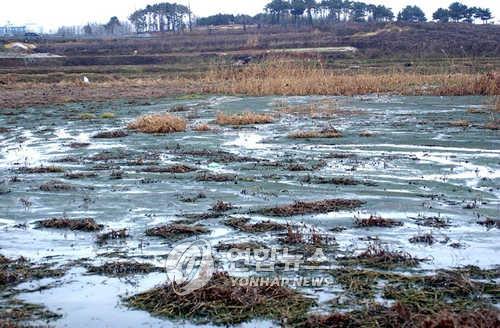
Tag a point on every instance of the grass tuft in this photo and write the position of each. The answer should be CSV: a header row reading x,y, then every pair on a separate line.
x,y
376,221
243,224
87,225
222,303
158,123
176,231
315,207
311,134
122,269
247,118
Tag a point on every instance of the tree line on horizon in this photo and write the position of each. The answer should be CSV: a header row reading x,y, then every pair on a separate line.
x,y
173,17
308,11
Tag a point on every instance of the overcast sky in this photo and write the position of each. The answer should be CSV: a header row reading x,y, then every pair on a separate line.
x,y
53,13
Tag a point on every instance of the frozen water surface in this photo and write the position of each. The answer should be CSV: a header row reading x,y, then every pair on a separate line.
x,y
416,164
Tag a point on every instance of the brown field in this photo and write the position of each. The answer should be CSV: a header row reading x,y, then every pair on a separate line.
x,y
415,59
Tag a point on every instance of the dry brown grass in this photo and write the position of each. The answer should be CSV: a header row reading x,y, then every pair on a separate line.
x,y
325,108
327,133
202,128
246,118
460,123
277,77
158,123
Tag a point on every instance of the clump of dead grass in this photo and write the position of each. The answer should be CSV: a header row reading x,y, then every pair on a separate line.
x,y
313,134
176,231
122,269
376,221
490,223
104,238
243,224
381,257
56,185
40,170
158,123
221,206
433,221
177,168
80,175
202,128
110,134
296,235
223,303
216,177
427,238
249,245
87,225
314,207
15,313
460,123
246,118
16,271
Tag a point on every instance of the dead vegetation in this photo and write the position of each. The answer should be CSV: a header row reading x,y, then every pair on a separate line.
x,y
325,108
422,296
222,206
216,177
427,238
308,238
460,123
376,221
490,223
15,313
80,175
111,134
104,238
250,245
218,156
202,128
158,123
381,257
402,315
339,181
367,134
243,224
178,168
123,269
279,77
56,185
432,221
314,207
16,271
87,225
40,170
222,303
313,134
176,231
246,118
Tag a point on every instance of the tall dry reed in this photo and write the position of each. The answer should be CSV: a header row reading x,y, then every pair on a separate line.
x,y
288,78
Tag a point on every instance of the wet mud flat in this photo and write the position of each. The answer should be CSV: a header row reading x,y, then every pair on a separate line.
x,y
401,194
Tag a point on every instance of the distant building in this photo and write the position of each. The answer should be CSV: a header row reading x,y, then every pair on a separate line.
x,y
12,30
